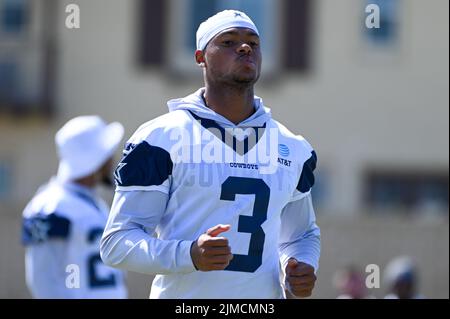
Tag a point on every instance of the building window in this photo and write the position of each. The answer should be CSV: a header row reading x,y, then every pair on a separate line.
x,y
188,14
387,33
297,17
13,16
151,32
27,57
167,32
8,81
410,192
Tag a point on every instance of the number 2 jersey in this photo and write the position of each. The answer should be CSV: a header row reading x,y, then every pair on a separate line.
x,y
62,227
191,169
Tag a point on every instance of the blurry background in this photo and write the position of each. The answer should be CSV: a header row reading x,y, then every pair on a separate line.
x,y
373,102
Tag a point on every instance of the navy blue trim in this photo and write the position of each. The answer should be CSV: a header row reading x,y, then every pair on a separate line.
x,y
143,165
87,199
95,280
226,136
41,227
128,148
94,233
307,177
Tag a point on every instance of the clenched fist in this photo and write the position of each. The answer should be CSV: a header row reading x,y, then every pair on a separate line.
x,y
300,278
210,252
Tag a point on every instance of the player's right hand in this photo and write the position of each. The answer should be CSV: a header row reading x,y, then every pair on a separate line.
x,y
210,252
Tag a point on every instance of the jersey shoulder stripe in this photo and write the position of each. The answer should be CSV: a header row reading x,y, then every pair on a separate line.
x,y
143,165
306,181
146,163
41,227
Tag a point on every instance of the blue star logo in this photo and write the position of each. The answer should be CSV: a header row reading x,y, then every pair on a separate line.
x,y
39,230
117,172
237,14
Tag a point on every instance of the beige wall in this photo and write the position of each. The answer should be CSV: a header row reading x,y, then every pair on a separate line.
x,y
359,108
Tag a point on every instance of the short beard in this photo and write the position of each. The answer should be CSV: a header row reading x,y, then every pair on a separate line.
x,y
231,80
245,82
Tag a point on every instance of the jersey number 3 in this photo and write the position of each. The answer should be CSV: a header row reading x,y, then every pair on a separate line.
x,y
249,224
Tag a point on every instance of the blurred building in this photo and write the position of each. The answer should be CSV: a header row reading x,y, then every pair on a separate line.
x,y
373,102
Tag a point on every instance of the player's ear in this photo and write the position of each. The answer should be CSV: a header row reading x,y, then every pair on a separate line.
x,y
200,58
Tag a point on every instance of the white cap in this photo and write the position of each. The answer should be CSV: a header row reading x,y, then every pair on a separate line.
x,y
84,144
221,21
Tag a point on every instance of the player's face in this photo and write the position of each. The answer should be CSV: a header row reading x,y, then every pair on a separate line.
x,y
234,57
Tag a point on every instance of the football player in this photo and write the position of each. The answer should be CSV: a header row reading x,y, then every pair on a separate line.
x,y
225,187
63,223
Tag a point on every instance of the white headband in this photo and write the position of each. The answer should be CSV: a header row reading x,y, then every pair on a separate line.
x,y
221,21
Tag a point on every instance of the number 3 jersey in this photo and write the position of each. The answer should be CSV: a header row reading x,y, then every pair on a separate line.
x,y
62,227
191,169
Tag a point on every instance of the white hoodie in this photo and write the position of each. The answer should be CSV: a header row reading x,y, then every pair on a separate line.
x,y
171,181
194,102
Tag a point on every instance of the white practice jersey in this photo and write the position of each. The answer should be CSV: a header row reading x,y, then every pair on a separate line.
x,y
62,227
192,169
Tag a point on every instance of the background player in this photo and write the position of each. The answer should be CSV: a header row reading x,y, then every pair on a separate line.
x,y
63,223
402,279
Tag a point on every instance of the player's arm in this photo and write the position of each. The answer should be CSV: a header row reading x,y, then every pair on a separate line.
x,y
127,241
299,246
300,235
143,179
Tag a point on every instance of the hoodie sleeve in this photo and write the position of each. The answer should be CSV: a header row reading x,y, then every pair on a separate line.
x,y
127,241
299,235
144,167
143,179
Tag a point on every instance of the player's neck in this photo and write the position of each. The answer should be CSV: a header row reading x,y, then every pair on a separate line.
x,y
88,181
235,104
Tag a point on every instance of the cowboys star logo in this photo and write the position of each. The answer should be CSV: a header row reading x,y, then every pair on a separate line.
x,y
117,172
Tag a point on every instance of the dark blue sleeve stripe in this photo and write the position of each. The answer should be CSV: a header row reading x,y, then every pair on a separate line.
x,y
42,227
143,165
307,177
